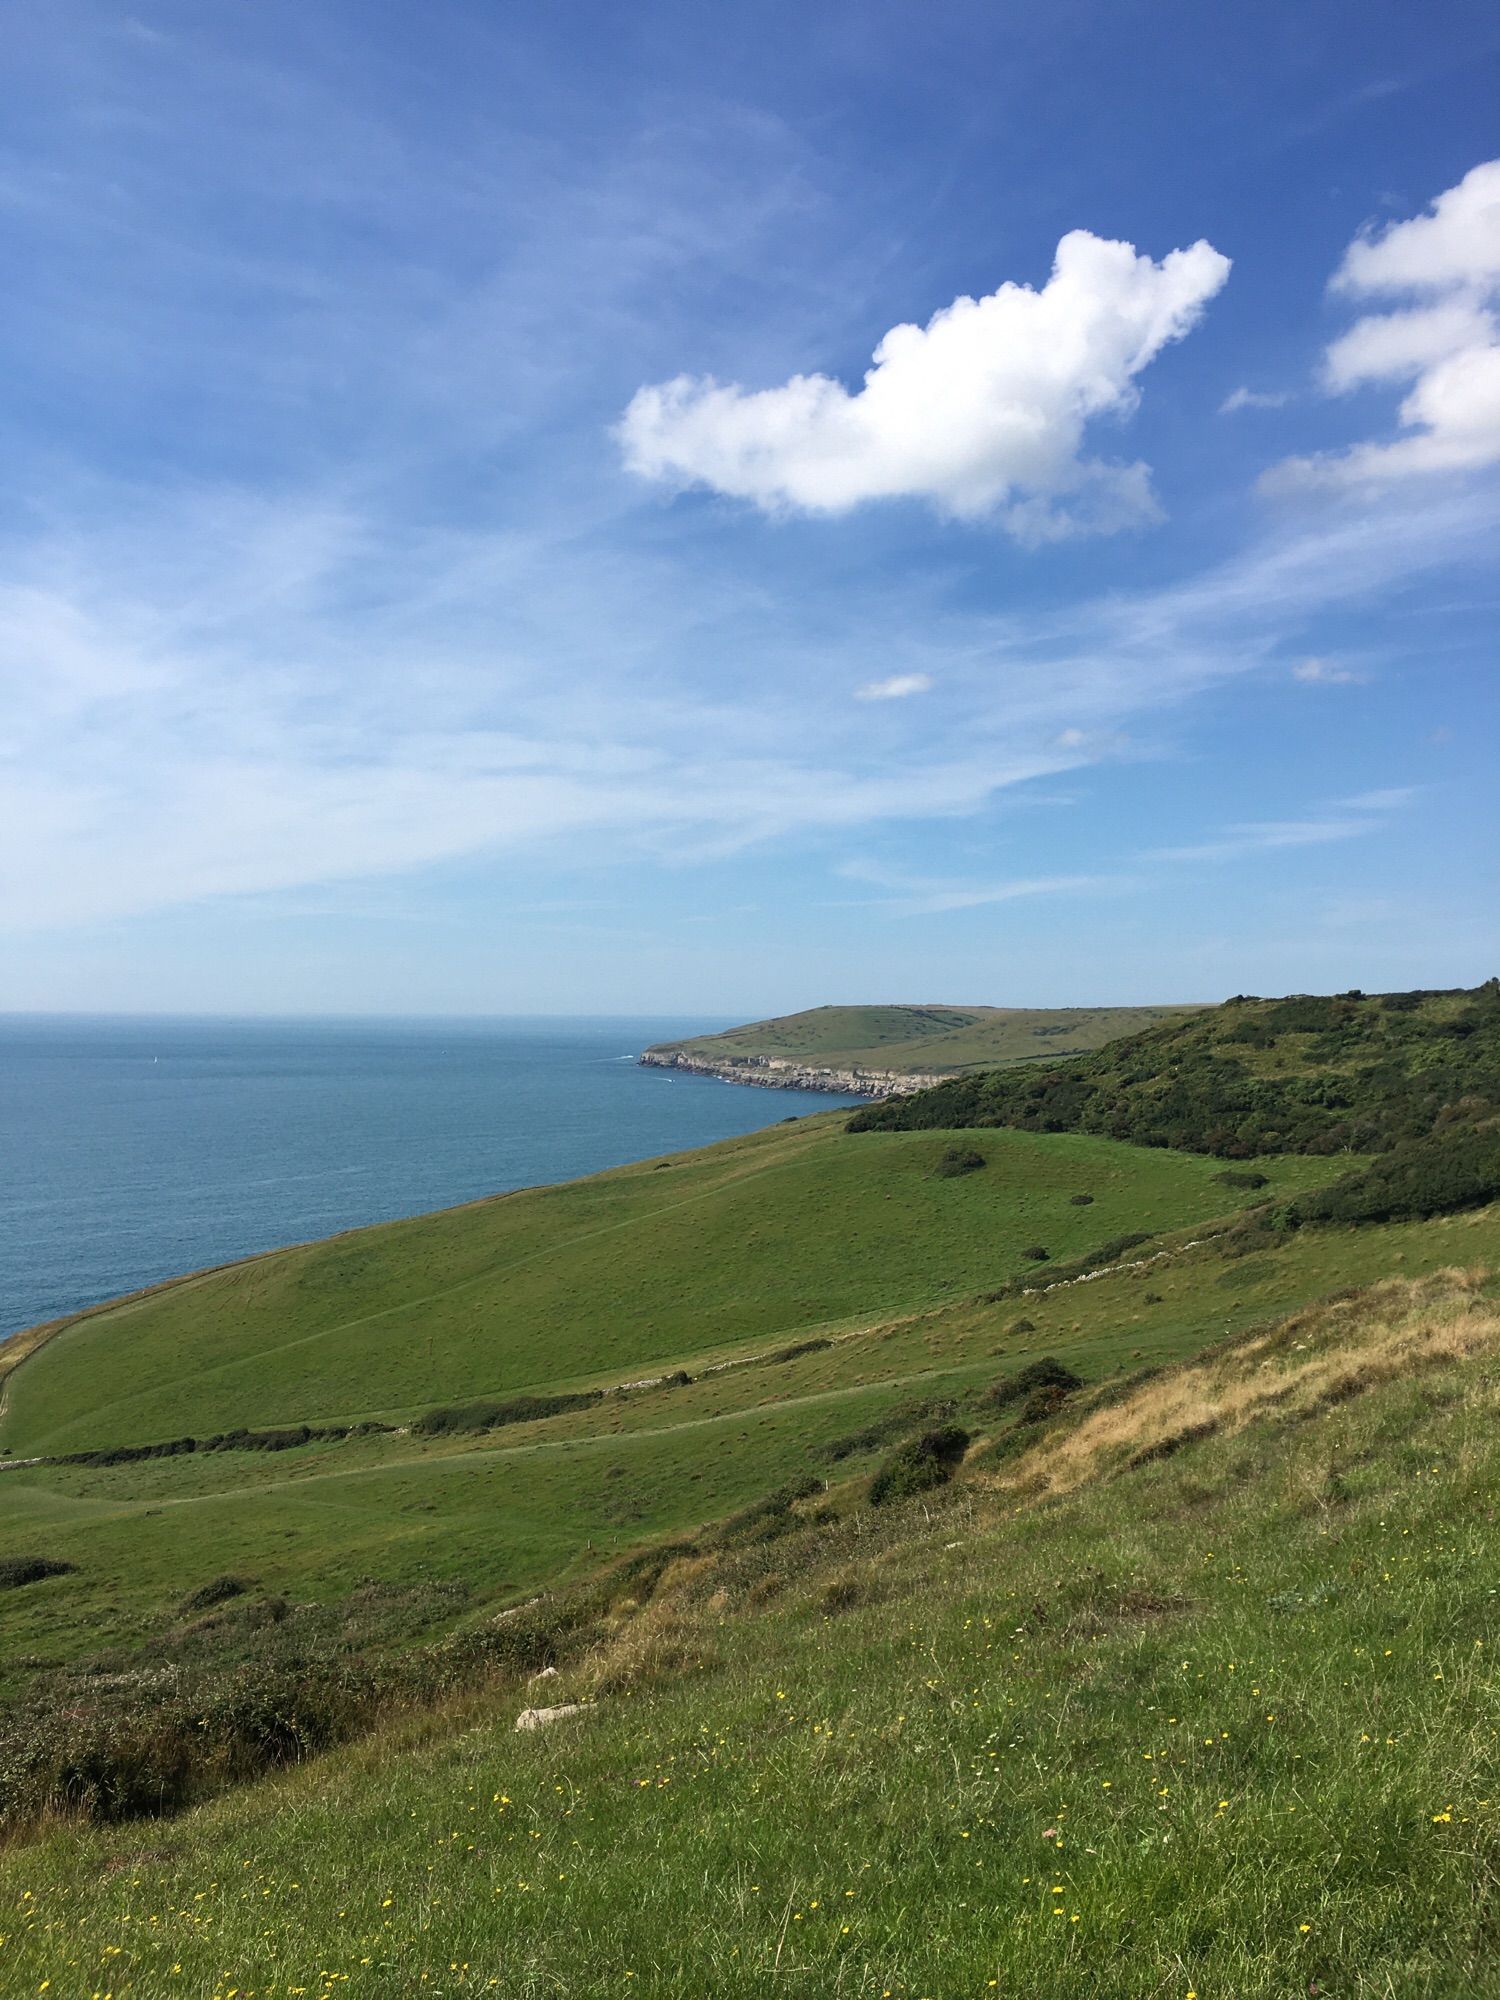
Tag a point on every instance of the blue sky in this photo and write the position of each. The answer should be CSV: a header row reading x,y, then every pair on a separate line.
x,y
663,508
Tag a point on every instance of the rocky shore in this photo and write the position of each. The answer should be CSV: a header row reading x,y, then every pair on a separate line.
x,y
775,1073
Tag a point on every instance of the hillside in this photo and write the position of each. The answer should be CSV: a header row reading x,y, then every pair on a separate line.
x,y
1184,1690
906,1041
934,1522
1308,1074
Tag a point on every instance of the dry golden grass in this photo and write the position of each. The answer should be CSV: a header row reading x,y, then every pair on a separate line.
x,y
1314,1359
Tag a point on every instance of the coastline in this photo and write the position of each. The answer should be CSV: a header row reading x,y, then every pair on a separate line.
x,y
776,1073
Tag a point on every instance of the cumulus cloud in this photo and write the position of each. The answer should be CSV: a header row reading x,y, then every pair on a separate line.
x,y
896,688
1254,399
1444,341
981,410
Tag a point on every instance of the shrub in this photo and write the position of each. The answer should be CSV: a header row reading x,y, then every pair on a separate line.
x,y
1020,1326
925,1462
897,1423
1238,1177
1036,1254
1438,1176
1081,1200
1047,1374
956,1160
218,1590
16,1570
490,1416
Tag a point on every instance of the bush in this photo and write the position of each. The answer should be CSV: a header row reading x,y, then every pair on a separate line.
x,y
897,1423
1036,1254
16,1570
956,1160
1020,1326
1081,1200
1437,1176
490,1416
927,1461
1237,1177
218,1590
1047,1374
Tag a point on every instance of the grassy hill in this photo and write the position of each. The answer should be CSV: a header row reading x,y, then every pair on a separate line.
x,y
1190,1696
1184,1622
928,1040
1307,1074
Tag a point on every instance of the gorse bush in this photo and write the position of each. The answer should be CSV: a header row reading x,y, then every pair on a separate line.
x,y
955,1161
487,1415
1438,1176
1046,1375
16,1570
927,1461
218,1590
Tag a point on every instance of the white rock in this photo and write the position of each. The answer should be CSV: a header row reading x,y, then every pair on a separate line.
x,y
542,1718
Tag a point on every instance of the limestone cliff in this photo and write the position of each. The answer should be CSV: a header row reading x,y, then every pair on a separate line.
x,y
775,1073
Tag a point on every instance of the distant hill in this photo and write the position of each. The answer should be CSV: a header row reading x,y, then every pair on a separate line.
x,y
1324,1074
911,1040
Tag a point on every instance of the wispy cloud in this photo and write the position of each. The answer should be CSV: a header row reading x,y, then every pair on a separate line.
x,y
1254,399
896,688
1345,819
922,896
1317,671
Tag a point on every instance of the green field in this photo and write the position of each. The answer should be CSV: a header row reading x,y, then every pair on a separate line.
x,y
730,1254
929,1040
1217,1723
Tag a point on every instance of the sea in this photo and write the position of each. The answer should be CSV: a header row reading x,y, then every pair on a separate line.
x,y
135,1149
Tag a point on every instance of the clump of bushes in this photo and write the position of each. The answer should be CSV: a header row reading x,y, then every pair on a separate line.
x,y
925,1462
798,1348
218,1590
285,1439
1240,1177
1044,1376
1020,1326
956,1160
16,1570
896,1423
1437,1176
1035,1254
485,1415
764,1520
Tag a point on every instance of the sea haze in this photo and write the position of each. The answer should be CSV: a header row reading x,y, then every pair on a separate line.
x,y
132,1150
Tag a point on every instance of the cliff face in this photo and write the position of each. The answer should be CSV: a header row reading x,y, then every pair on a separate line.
x,y
774,1073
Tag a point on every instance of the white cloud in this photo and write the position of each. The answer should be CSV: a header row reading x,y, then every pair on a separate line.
x,y
1445,343
1254,399
1457,243
983,408
926,896
1319,672
1345,819
896,688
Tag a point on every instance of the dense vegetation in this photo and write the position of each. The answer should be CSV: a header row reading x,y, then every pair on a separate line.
x,y
1310,1075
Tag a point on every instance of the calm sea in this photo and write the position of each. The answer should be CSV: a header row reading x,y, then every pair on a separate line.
x,y
131,1150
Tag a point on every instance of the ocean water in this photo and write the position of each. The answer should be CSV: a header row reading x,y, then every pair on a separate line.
x,y
132,1150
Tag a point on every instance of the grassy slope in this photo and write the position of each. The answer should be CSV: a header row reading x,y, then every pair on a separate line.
x,y
742,1248
643,1269
1221,1724
501,1513
929,1039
